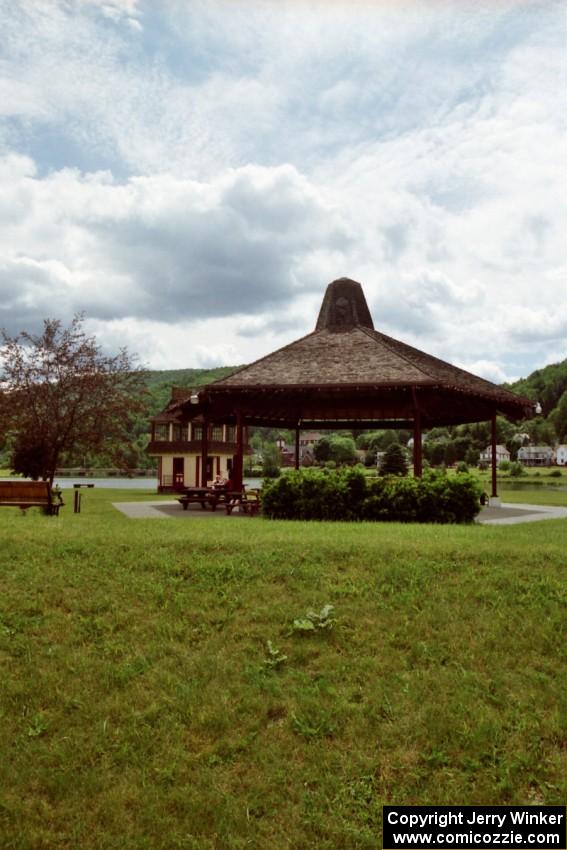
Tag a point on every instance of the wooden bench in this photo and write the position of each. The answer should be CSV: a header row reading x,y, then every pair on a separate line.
x,y
247,501
30,494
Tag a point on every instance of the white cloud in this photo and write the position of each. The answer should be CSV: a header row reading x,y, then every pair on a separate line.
x,y
488,369
159,247
178,163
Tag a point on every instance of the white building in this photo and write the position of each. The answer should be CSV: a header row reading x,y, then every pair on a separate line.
x,y
177,445
561,455
536,455
502,453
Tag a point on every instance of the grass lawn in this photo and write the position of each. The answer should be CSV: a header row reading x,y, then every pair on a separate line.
x,y
141,708
536,496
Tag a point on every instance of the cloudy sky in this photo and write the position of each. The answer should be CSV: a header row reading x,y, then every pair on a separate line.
x,y
192,173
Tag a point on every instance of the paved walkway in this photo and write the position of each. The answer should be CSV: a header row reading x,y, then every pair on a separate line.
x,y
510,513
507,514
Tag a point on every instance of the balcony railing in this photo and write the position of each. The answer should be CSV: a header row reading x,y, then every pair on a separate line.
x,y
159,447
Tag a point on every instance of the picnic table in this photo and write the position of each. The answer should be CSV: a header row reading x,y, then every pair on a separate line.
x,y
205,496
247,501
212,496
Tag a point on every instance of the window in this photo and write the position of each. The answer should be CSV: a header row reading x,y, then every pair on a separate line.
x,y
180,433
230,434
197,432
216,432
161,432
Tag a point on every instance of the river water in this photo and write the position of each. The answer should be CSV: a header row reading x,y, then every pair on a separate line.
x,y
121,483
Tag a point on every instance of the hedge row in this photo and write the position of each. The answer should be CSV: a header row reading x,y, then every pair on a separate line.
x,y
347,494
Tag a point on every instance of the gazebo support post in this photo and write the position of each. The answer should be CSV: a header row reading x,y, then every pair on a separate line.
x,y
237,473
417,452
297,447
204,452
493,459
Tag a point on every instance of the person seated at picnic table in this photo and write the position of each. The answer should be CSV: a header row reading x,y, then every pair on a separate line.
x,y
219,482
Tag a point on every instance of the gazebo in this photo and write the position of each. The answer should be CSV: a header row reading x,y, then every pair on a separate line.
x,y
347,375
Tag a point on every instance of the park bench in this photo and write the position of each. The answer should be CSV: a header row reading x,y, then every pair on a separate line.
x,y
30,494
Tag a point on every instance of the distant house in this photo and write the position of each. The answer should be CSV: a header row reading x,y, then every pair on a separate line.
x,y
502,453
307,440
561,455
177,445
536,455
287,454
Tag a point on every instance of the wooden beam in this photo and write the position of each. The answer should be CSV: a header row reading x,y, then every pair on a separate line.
x,y
494,465
417,449
204,452
237,472
297,447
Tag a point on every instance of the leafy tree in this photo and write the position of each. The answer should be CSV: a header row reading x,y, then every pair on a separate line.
x,y
343,450
322,450
558,417
541,431
60,393
450,453
462,445
337,448
472,457
435,452
271,460
394,461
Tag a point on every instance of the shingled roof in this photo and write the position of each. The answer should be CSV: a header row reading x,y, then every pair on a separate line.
x,y
345,350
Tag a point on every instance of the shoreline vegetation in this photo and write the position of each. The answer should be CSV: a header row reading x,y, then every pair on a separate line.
x,y
164,672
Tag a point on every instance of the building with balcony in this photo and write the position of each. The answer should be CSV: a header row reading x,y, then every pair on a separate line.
x,y
177,443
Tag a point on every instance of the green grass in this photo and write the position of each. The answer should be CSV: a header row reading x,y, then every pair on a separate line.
x,y
137,710
533,497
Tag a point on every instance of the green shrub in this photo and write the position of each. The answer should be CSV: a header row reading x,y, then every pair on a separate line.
x,y
504,465
516,469
555,473
395,460
346,494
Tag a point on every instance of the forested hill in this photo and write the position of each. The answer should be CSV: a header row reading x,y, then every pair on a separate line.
x,y
549,387
545,385
160,383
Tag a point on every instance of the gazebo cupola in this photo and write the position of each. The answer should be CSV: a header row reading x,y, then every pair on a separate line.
x,y
344,306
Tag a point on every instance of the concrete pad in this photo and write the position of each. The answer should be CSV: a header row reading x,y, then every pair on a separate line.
x,y
511,513
164,509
